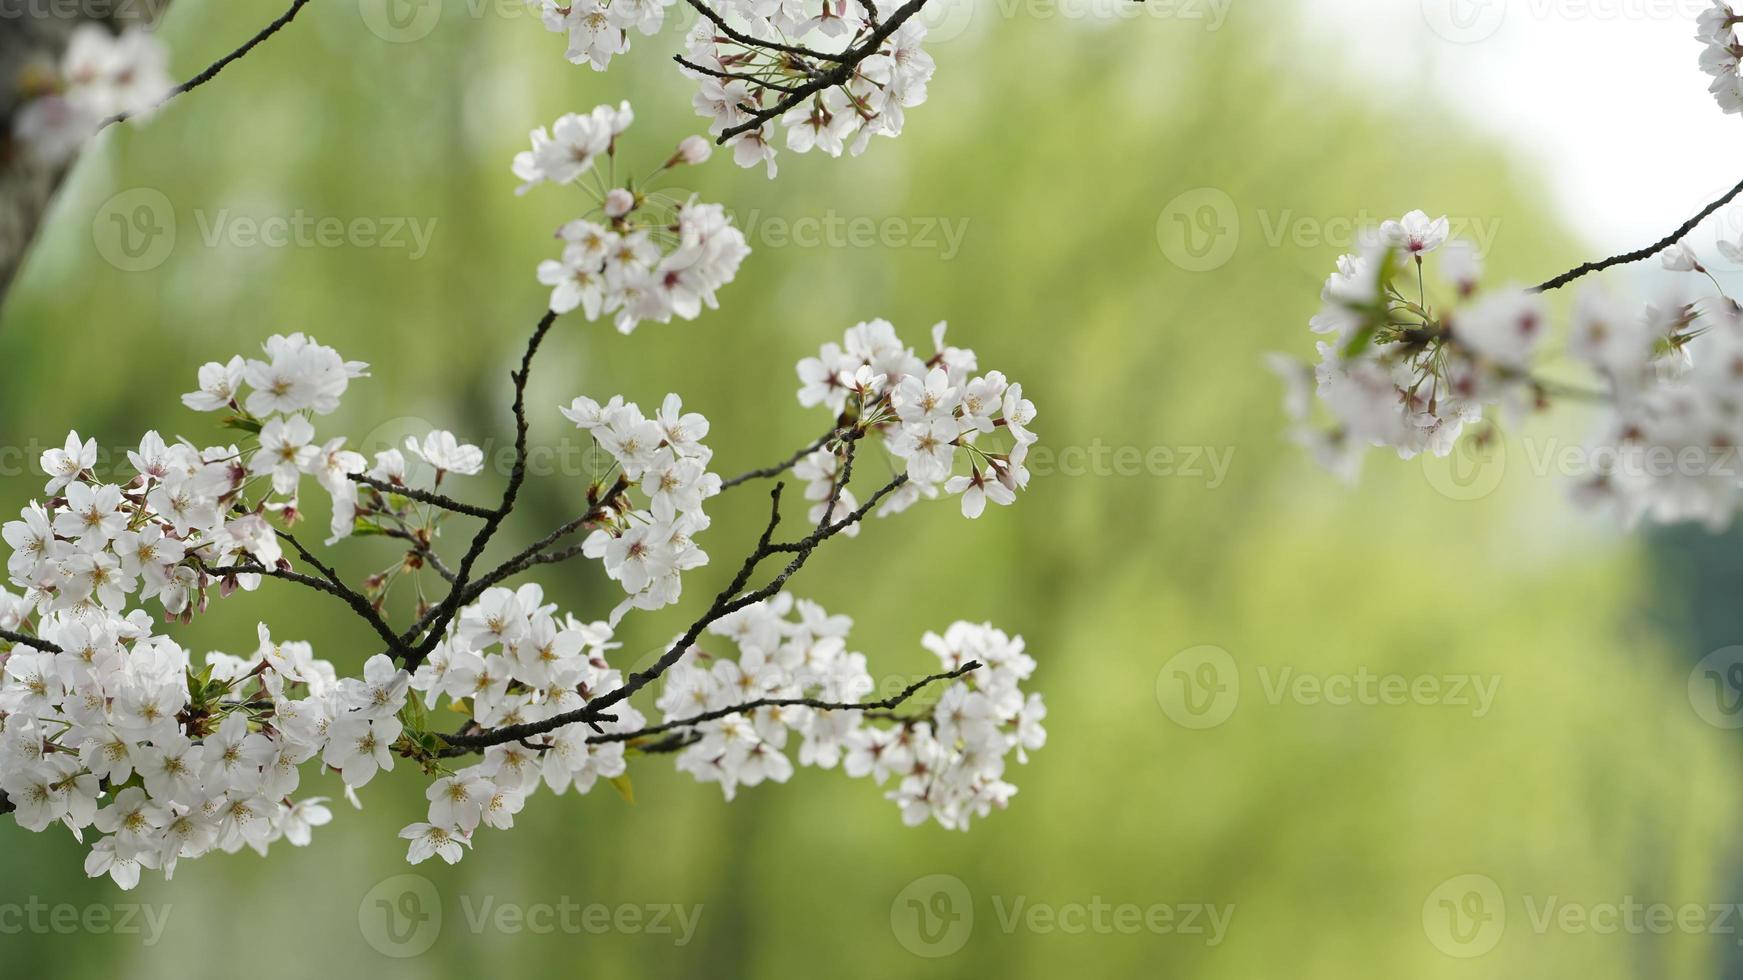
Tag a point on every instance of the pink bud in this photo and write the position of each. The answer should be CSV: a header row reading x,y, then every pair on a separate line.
x,y
619,202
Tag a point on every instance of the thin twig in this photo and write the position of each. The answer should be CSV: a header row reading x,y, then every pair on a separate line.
x,y
449,607
212,71
848,62
733,76
35,643
751,42
783,466
725,604
424,497
1643,253
886,704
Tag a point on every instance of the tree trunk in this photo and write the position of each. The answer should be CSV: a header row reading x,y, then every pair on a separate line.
x,y
31,42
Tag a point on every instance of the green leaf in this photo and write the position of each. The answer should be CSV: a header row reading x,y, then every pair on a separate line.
x,y
624,788
244,423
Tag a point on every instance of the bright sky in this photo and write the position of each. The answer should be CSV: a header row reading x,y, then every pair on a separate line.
x,y
1603,96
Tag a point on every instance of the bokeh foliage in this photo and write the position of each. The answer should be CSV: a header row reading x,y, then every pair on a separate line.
x,y
1060,144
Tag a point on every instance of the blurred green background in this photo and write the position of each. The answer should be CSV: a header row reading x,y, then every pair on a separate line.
x,y
1061,147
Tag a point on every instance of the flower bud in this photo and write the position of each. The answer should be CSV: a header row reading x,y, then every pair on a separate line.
x,y
694,149
619,202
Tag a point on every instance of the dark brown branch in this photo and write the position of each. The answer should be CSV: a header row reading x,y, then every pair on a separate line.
x,y
34,643
422,550
425,497
725,604
705,10
733,76
1643,253
887,704
212,71
839,484
783,466
328,585
437,624
847,64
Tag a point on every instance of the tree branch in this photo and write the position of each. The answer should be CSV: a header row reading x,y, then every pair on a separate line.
x,y
751,42
1644,253
444,613
29,641
212,71
330,584
424,497
787,464
886,704
724,605
848,62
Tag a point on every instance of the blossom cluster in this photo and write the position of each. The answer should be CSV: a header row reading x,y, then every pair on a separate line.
x,y
735,79
101,74
648,256
106,723
1722,55
932,414
117,732
947,763
646,548
1393,371
508,659
1405,369
598,30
